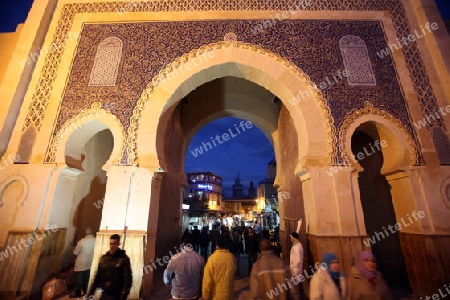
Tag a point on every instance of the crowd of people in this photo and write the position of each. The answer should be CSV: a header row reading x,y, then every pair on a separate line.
x,y
270,277
208,266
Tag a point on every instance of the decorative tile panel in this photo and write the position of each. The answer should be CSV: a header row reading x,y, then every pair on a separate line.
x,y
281,32
357,61
317,53
106,62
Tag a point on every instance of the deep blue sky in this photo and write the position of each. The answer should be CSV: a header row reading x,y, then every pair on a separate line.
x,y
444,7
247,153
13,12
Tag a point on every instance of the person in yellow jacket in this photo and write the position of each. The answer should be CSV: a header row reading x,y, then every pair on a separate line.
x,y
218,276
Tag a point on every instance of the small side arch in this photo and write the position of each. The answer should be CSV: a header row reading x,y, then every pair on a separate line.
x,y
93,120
10,180
401,151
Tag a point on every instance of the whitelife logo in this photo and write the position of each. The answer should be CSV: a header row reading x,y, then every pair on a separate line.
x,y
283,287
225,136
279,17
323,85
404,41
360,156
12,158
33,57
439,296
23,244
378,236
187,66
438,114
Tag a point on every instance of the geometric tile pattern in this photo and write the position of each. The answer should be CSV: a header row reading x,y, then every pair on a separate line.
x,y
315,53
231,43
26,143
442,145
106,62
420,79
357,61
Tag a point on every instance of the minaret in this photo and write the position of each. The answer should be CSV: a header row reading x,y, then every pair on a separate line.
x,y
238,188
252,190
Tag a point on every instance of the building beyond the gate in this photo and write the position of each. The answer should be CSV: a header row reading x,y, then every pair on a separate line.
x,y
100,99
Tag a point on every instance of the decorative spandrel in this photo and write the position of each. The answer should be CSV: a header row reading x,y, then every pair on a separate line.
x,y
41,95
316,53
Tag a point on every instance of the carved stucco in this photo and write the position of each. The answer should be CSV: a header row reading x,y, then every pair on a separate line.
x,y
369,113
95,113
414,62
165,75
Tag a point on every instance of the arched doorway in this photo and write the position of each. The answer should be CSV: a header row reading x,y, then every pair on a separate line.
x,y
378,209
387,154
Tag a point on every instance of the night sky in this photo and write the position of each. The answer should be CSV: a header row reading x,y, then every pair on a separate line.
x,y
247,152
13,12
444,7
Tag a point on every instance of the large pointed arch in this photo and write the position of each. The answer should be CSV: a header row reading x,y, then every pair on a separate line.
x,y
306,104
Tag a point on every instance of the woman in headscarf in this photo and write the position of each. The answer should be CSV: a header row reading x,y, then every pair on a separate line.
x,y
329,283
365,282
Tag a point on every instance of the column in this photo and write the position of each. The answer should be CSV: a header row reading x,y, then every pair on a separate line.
x,y
333,211
128,210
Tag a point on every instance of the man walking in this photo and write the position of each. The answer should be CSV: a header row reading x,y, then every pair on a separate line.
x,y
296,259
218,280
213,236
114,273
196,238
251,247
85,253
185,271
270,278
204,243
